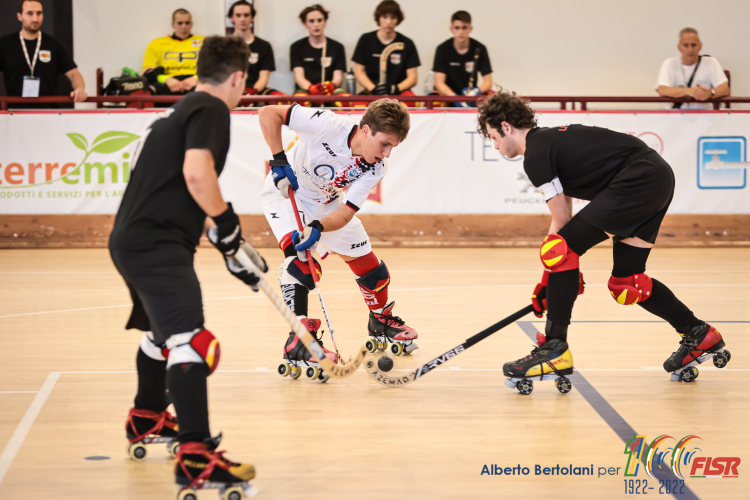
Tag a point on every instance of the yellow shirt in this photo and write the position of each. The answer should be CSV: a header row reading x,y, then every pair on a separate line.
x,y
177,57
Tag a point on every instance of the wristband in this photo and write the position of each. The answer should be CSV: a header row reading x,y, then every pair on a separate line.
x,y
226,216
279,160
317,225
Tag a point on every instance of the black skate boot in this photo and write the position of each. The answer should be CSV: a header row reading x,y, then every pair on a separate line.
x,y
297,358
199,466
384,328
550,360
696,346
146,427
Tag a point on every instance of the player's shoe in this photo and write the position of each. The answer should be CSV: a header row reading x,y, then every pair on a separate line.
x,y
696,346
200,466
146,427
298,359
384,327
550,360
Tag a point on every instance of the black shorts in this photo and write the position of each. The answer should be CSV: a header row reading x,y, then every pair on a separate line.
x,y
633,205
165,290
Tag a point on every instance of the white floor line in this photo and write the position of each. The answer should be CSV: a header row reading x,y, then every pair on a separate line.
x,y
419,271
16,440
18,392
421,289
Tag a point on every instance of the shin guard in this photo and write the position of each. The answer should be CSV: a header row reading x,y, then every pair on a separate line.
x,y
374,286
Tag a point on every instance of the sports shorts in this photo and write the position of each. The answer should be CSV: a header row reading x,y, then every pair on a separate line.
x,y
165,290
634,204
351,240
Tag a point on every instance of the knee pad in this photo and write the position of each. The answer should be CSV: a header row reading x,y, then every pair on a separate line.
x,y
630,290
374,286
153,351
199,346
556,256
295,271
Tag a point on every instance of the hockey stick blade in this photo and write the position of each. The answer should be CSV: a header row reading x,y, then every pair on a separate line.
x,y
332,369
371,365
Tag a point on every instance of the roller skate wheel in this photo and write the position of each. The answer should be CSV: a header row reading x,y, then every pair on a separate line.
x,y
509,383
563,385
173,447
312,372
720,360
233,493
688,374
323,378
137,451
525,386
411,347
295,372
397,349
382,346
371,345
728,355
186,494
250,490
284,369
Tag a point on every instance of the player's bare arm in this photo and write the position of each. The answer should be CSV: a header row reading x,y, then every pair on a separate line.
x,y
202,181
262,82
561,208
271,120
486,84
299,78
338,219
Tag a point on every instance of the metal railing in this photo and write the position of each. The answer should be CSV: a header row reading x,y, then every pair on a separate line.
x,y
426,102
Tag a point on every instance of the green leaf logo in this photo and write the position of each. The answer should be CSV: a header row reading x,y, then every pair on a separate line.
x,y
79,141
110,142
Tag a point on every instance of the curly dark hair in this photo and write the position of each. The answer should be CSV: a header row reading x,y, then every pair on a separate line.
x,y
504,106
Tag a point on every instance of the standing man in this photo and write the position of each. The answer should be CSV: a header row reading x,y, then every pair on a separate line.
x,y
173,187
630,187
460,60
402,64
261,61
32,60
332,153
171,62
318,62
691,74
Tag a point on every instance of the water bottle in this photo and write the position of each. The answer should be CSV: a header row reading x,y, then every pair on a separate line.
x,y
351,84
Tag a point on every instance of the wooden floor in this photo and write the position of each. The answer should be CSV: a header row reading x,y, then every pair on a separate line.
x,y
67,380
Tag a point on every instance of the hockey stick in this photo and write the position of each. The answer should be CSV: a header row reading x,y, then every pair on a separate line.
x,y
384,60
314,274
332,369
371,366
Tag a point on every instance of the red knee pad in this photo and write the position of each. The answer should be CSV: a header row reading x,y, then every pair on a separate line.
x,y
630,290
207,346
556,256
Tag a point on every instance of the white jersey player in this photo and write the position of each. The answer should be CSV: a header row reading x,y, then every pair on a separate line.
x,y
333,166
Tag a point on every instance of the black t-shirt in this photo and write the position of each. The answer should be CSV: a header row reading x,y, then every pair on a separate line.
x,y
458,68
53,59
584,159
304,55
157,206
261,59
368,50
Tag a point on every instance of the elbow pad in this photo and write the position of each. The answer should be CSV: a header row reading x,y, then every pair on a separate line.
x,y
551,189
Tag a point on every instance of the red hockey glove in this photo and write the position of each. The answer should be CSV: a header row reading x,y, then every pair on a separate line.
x,y
539,297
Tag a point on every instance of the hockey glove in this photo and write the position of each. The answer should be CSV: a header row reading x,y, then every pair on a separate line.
x,y
283,175
470,91
309,237
324,88
246,274
227,235
386,90
539,297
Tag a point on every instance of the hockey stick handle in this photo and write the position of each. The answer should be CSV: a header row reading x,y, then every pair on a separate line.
x,y
302,228
498,326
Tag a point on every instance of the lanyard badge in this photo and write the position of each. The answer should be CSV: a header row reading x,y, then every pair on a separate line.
x,y
31,84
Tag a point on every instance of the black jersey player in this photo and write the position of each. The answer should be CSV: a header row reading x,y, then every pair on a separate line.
x,y
630,188
173,187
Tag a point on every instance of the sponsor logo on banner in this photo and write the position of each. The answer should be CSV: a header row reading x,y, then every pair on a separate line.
x,y
98,169
722,162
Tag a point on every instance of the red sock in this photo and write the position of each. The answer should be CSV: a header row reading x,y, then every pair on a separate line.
x,y
363,265
373,280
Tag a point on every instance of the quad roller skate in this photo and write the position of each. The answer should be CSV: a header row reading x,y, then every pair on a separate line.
x,y
200,467
550,360
298,359
385,328
157,428
696,346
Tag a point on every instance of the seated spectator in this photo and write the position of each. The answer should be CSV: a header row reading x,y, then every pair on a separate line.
x,y
317,61
171,62
242,15
31,60
460,60
691,74
401,73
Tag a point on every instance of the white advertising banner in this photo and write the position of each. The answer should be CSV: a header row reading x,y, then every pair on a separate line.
x,y
79,163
